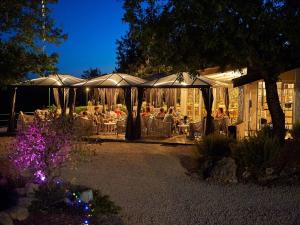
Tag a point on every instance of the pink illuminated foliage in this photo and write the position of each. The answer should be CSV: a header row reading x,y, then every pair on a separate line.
x,y
41,149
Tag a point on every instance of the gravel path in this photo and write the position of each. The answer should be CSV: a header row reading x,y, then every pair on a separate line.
x,y
151,186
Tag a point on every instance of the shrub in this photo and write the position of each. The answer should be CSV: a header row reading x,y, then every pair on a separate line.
x,y
40,150
79,109
258,152
8,195
215,146
296,130
57,198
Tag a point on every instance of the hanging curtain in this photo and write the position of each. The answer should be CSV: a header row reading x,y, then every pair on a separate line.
x,y
72,104
110,97
96,94
133,96
226,100
208,102
101,92
116,93
65,100
129,123
151,96
159,96
12,115
140,93
56,97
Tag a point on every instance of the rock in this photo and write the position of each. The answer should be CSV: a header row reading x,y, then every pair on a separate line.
x,y
21,191
109,220
269,171
207,168
224,171
246,174
18,213
31,188
86,196
5,219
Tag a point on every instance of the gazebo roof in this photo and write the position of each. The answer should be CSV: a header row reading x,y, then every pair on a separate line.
x,y
176,81
113,80
54,80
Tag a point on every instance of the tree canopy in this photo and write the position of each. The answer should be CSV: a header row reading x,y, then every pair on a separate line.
x,y
25,28
91,73
262,35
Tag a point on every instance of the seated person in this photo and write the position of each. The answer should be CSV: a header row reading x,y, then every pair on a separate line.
x,y
219,113
161,114
169,116
84,115
118,112
185,120
146,113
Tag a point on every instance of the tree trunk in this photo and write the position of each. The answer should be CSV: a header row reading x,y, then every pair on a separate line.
x,y
277,115
12,113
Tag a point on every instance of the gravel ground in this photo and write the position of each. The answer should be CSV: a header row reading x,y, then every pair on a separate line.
x,y
150,184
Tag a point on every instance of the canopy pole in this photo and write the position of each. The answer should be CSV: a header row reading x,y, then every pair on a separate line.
x,y
138,113
12,114
129,124
208,101
49,98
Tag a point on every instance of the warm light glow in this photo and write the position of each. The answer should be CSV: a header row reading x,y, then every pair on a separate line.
x,y
87,89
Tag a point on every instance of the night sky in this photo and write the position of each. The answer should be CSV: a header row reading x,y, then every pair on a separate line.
x,y
93,26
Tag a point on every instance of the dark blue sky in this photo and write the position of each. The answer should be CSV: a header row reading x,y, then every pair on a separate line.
x,y
93,26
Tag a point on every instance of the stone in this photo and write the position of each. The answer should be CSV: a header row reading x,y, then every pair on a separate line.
x,y
224,171
86,196
269,171
18,213
31,188
5,219
246,174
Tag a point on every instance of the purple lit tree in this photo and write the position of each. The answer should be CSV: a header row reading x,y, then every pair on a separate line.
x,y
41,149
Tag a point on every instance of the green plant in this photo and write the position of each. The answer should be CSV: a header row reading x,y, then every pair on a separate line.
x,y
215,146
257,153
103,205
296,130
79,109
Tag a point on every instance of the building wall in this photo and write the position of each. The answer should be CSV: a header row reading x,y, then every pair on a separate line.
x,y
297,95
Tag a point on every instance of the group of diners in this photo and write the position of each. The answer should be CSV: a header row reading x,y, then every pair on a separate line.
x,y
171,116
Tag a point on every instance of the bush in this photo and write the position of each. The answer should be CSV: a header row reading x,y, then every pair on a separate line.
x,y
41,150
258,152
8,195
79,109
215,146
296,130
52,198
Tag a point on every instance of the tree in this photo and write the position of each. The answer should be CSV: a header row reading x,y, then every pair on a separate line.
x,y
132,54
26,26
260,35
91,73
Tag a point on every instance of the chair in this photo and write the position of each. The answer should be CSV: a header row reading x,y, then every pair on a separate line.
x,y
83,127
159,128
121,126
197,127
24,120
